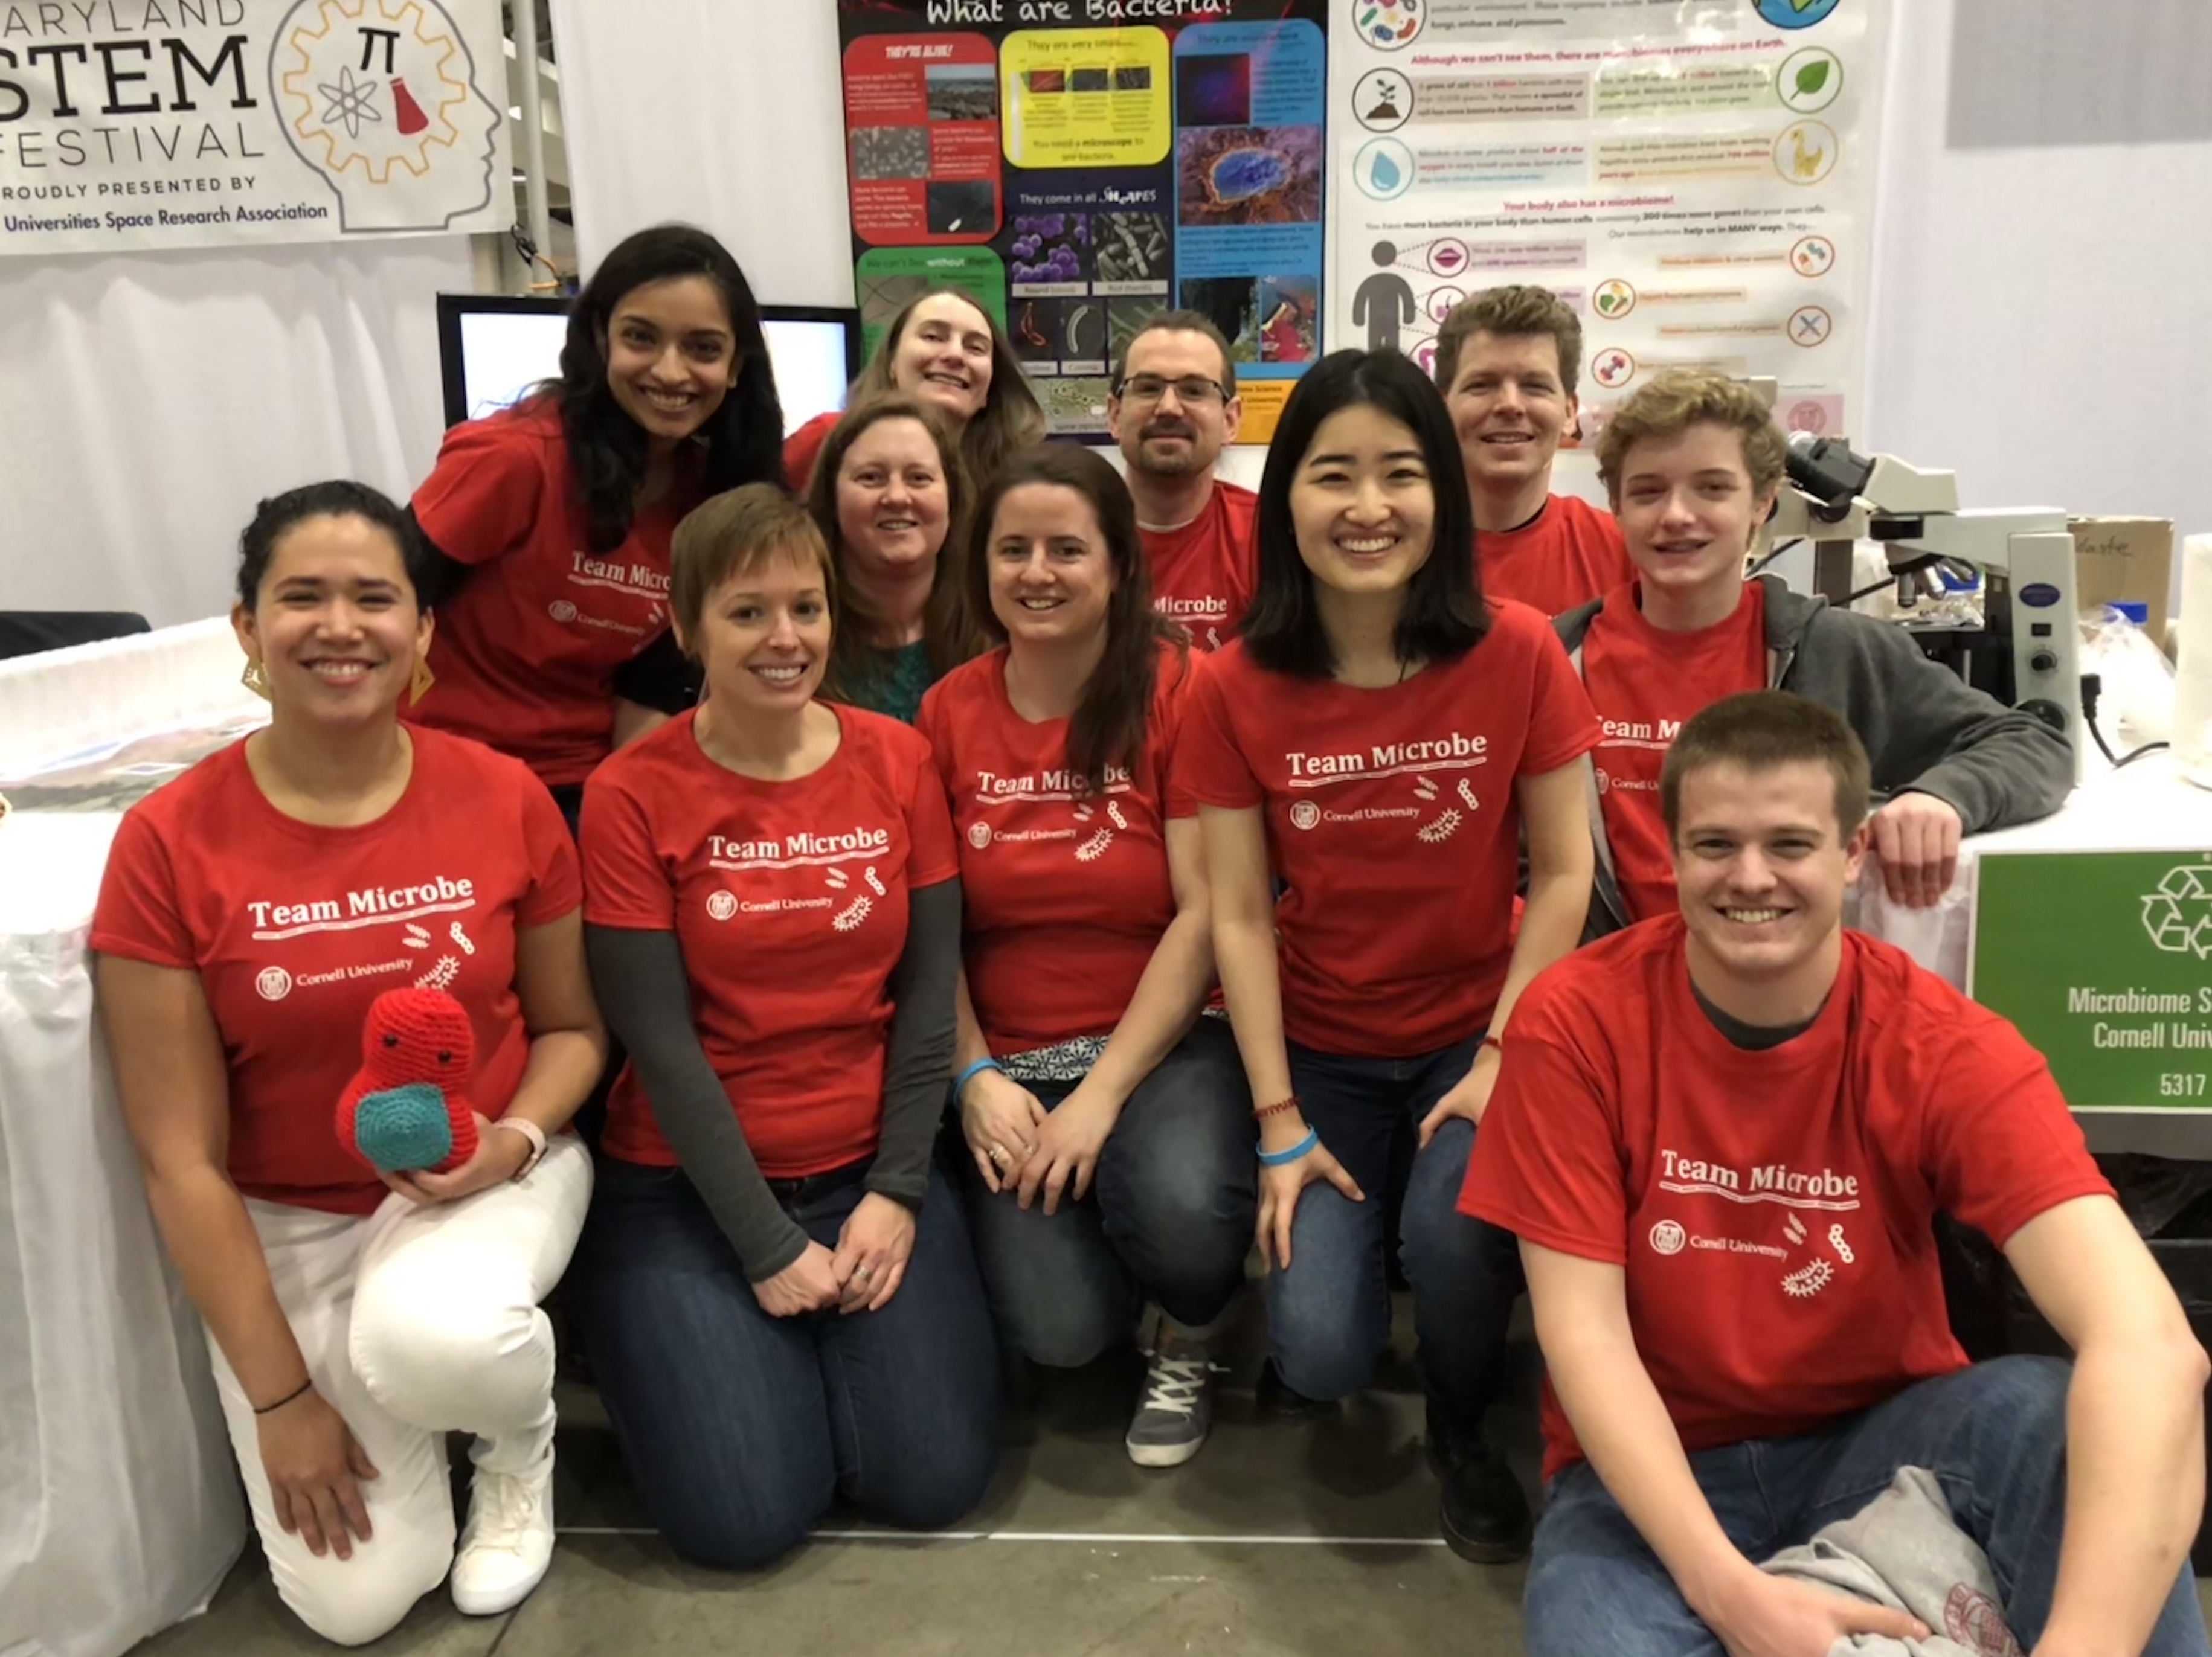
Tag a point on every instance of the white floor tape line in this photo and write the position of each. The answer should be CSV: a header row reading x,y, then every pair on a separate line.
x,y
1093,1538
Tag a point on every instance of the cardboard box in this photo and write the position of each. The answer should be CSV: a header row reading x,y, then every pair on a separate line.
x,y
2131,559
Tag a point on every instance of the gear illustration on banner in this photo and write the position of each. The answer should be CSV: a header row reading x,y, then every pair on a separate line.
x,y
381,99
2178,914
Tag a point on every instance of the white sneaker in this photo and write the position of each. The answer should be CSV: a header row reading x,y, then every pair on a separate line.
x,y
509,1541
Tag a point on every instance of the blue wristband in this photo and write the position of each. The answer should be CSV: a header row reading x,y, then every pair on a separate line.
x,y
1291,1153
970,1074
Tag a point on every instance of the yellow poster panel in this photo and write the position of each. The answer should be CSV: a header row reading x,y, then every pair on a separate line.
x,y
1263,401
1085,98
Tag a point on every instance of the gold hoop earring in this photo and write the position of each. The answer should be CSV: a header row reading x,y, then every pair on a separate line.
x,y
255,677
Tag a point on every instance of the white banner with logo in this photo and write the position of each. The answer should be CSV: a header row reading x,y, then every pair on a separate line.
x,y
129,124
1696,177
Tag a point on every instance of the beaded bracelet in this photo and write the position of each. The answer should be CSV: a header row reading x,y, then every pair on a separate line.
x,y
1276,1110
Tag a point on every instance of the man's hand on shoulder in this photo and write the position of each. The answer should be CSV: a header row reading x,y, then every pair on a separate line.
x,y
1916,837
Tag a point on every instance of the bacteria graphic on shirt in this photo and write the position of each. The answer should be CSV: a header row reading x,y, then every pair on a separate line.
x,y
1808,1281
1794,1228
416,938
1843,1249
448,969
1466,793
874,885
836,879
461,938
1115,812
1425,786
853,913
1094,848
1435,833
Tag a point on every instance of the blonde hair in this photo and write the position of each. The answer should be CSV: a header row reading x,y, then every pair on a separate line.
x,y
729,534
1516,311
1677,399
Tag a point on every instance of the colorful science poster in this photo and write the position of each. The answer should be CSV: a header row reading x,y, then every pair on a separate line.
x,y
1078,164
1696,179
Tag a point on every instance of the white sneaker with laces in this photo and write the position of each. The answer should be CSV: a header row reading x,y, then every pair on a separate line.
x,y
1176,1410
508,1540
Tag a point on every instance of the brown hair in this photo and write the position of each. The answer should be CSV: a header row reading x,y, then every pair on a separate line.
x,y
1192,322
1759,731
1676,399
727,535
858,656
1514,312
1108,725
1010,418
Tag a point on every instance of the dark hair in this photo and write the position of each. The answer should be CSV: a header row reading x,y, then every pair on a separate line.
x,y
1010,418
607,450
280,514
1760,730
1192,322
858,659
727,535
1444,615
1516,311
1108,724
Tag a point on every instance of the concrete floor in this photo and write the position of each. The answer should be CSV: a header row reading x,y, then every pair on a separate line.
x,y
1278,1538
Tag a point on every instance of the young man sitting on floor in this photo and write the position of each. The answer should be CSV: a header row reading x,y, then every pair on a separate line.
x,y
1693,463
1721,1137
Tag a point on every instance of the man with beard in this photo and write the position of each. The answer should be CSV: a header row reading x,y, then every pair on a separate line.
x,y
1173,410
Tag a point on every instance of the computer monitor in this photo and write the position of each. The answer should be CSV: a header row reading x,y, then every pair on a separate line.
x,y
493,348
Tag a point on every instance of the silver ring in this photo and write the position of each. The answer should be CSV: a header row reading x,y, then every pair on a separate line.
x,y
866,1272
998,1153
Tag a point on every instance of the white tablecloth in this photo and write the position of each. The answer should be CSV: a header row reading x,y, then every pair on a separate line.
x,y
119,1505
2146,807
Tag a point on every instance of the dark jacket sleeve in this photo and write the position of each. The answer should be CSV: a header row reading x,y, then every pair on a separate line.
x,y
1926,728
918,1066
645,995
658,677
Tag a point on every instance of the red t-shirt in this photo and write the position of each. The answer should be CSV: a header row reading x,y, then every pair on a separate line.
x,y
790,901
1570,554
295,928
1644,684
1393,822
525,655
1202,573
1065,893
1773,1211
802,449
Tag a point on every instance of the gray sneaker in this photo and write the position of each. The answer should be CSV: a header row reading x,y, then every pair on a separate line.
x,y
1176,1410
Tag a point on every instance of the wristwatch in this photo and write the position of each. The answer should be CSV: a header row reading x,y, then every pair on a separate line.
x,y
531,1131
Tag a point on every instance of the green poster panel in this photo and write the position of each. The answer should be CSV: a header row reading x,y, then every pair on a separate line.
x,y
2104,961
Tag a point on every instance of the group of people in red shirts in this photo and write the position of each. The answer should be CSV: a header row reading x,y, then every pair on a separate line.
x,y
1227,855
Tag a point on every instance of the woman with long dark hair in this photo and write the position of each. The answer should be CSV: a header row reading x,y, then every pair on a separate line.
x,y
552,646
945,350
891,498
1374,742
1108,1121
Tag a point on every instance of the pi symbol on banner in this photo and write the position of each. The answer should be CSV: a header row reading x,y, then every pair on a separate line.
x,y
383,101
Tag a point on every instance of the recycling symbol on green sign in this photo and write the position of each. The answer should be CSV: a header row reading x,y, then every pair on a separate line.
x,y
2178,914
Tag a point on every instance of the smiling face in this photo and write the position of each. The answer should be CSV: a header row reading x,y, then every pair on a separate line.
x,y
335,623
1509,406
1761,865
1362,505
1169,417
943,356
1052,574
763,638
1687,510
672,355
892,498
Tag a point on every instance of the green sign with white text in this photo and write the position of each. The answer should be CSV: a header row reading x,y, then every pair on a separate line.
x,y
2104,961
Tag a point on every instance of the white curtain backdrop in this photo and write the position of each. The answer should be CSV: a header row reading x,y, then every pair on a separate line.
x,y
2037,327
727,114
149,402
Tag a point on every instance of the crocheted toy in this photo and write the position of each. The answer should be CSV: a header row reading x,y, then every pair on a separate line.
x,y
405,1111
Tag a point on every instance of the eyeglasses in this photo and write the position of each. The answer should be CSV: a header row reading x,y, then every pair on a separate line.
x,y
1193,391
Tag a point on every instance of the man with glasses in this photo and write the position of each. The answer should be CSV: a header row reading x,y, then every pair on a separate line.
x,y
1174,409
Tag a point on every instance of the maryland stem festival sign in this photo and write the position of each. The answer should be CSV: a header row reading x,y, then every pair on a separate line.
x,y
130,125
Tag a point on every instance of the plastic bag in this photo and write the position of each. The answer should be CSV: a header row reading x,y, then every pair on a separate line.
x,y
2137,703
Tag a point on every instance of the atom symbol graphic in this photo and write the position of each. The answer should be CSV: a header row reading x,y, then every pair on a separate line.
x,y
350,101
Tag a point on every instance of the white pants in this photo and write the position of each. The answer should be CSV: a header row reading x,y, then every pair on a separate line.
x,y
414,1322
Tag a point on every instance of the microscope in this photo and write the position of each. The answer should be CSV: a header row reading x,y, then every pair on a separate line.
x,y
2025,653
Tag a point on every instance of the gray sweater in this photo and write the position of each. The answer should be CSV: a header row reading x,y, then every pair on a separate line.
x,y
1925,729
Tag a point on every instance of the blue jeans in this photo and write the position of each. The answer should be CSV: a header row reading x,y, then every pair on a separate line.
x,y
1328,1315
1993,1435
1168,1213
740,1429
